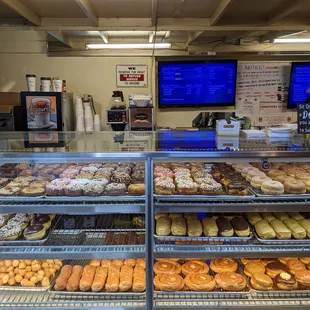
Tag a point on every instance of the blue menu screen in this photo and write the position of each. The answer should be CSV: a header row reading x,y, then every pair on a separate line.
x,y
197,83
299,84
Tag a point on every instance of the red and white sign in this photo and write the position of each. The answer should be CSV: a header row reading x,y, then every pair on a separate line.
x,y
131,76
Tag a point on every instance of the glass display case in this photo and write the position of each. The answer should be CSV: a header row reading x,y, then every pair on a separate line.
x,y
185,211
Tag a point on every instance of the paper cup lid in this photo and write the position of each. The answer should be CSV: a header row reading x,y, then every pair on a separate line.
x,y
30,75
45,78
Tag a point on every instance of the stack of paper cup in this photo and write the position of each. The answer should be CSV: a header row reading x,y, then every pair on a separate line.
x,y
89,120
79,112
97,122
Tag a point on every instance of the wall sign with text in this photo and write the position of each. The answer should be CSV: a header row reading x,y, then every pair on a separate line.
x,y
131,76
303,118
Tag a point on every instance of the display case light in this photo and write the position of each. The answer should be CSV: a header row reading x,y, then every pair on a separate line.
x,y
129,46
292,40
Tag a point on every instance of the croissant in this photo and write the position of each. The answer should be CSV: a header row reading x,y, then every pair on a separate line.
x,y
113,279
125,279
74,280
100,278
62,280
139,283
87,278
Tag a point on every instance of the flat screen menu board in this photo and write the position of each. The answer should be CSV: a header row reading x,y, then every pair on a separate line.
x,y
197,83
299,91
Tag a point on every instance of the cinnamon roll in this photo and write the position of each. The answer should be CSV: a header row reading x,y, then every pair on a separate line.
x,y
194,267
168,282
201,282
167,267
219,265
230,281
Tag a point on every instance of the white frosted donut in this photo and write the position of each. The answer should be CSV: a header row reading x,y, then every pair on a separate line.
x,y
272,188
258,180
246,170
240,167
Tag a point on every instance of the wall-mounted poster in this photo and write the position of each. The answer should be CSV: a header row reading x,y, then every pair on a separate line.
x,y
131,76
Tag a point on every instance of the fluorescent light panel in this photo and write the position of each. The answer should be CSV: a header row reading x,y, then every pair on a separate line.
x,y
129,46
292,40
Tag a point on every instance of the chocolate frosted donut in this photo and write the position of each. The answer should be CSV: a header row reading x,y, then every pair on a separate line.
x,y
43,220
35,232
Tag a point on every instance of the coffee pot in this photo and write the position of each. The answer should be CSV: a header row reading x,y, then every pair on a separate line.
x,y
117,101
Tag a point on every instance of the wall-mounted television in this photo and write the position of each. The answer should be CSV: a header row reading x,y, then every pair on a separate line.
x,y
196,83
299,89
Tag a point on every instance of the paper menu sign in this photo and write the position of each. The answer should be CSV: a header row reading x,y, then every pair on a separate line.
x,y
303,115
261,83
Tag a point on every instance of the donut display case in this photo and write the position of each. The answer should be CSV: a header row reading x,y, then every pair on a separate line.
x,y
139,226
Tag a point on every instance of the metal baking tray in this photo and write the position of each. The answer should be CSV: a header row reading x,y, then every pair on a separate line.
x,y
301,292
66,294
14,198
282,241
215,293
233,239
23,242
105,197
22,288
259,193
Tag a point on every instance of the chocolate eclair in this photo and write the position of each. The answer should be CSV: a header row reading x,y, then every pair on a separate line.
x,y
35,232
285,281
240,226
275,268
224,226
43,220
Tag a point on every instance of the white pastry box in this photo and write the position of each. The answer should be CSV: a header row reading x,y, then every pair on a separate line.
x,y
227,143
225,129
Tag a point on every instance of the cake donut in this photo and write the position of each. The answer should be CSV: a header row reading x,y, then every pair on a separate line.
x,y
295,187
258,180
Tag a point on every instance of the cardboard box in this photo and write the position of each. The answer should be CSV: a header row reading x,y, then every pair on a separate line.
x,y
225,129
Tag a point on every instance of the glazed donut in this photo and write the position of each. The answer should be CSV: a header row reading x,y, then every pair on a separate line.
x,y
253,173
272,188
303,277
219,265
201,282
295,187
258,180
253,267
168,282
240,167
174,260
305,260
194,267
284,178
261,281
293,172
304,176
295,264
167,267
230,281
273,173
245,261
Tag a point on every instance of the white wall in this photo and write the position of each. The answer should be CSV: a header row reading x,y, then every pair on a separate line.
x,y
25,52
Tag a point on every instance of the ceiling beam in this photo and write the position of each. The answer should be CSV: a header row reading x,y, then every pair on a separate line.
x,y
236,36
88,11
284,11
178,10
58,35
163,24
192,37
23,11
104,37
154,12
220,10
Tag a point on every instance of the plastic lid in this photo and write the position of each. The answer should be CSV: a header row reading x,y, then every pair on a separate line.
x,y
45,78
30,75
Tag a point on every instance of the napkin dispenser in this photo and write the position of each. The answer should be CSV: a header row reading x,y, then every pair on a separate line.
x,y
224,128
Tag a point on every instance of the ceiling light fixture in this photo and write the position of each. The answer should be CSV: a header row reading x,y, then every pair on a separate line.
x,y
103,37
292,40
129,46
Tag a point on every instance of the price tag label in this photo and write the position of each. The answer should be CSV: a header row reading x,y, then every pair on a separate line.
x,y
69,223
89,222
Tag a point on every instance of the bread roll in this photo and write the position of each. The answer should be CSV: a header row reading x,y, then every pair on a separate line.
x,y
297,230
178,227
175,215
295,216
210,228
163,226
130,262
253,217
95,262
106,263
113,279
74,280
264,230
306,225
194,228
100,279
126,278
87,278
282,232
268,216
139,279
62,280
